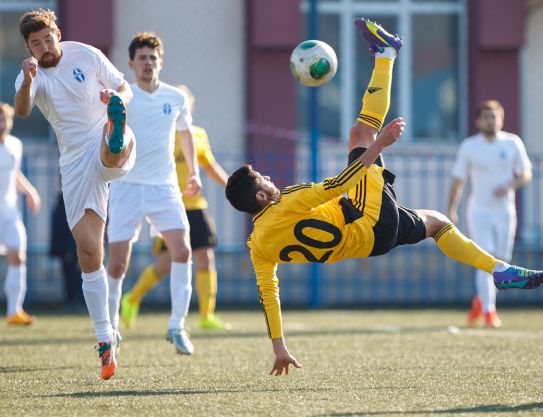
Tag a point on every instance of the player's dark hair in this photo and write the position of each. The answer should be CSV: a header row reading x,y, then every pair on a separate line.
x,y
145,39
493,105
241,190
37,20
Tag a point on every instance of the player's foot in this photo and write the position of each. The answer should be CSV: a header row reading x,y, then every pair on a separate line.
x,y
107,351
116,114
181,341
492,319
21,318
377,37
129,311
475,312
214,323
517,277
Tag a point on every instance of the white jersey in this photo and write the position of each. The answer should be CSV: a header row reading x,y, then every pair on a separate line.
x,y
11,152
68,95
490,165
154,118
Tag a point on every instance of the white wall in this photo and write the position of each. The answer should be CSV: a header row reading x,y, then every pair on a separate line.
x,y
204,48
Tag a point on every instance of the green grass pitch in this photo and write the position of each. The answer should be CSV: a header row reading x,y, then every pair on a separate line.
x,y
355,363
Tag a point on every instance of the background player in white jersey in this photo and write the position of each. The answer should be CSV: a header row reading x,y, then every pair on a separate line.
x,y
71,83
496,164
12,230
151,191
203,238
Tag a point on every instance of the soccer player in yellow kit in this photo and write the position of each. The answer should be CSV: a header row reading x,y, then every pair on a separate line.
x,y
316,223
202,239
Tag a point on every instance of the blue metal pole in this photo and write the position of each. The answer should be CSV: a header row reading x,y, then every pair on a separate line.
x,y
313,26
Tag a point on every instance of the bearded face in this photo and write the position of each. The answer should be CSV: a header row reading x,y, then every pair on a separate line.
x,y
44,45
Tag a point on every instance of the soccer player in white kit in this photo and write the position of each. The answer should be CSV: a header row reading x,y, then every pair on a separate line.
x,y
12,229
496,164
151,191
71,83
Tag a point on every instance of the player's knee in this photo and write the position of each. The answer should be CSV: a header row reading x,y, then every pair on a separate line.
x,y
361,136
181,253
116,268
435,221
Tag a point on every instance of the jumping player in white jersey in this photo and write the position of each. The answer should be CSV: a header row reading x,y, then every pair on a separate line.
x,y
82,96
151,191
12,229
496,164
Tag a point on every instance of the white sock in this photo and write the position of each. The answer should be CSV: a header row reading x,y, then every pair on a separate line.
x,y
484,283
15,288
389,52
115,286
95,291
501,266
181,291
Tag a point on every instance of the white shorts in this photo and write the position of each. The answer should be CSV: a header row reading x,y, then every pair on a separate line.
x,y
493,231
130,203
12,230
85,183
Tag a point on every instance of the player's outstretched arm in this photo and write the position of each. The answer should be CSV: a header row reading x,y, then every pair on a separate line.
x,y
283,359
24,186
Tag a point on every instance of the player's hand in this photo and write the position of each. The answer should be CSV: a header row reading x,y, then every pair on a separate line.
x,y
282,363
194,185
391,132
33,201
501,191
106,94
30,69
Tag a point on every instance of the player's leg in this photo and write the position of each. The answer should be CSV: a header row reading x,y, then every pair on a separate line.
x,y
178,243
89,234
125,211
119,258
203,239
457,246
481,230
15,283
376,100
148,279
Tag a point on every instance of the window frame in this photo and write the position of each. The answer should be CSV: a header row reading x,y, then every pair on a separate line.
x,y
403,10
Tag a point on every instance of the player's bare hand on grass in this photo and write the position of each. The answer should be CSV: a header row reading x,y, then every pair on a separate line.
x,y
30,69
282,363
283,359
391,132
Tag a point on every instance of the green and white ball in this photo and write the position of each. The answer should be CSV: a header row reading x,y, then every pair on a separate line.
x,y
313,63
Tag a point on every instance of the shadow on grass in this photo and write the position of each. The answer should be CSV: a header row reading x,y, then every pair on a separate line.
x,y
491,409
149,393
231,335
17,369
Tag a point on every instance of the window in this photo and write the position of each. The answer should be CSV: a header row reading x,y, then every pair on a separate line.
x,y
12,53
429,85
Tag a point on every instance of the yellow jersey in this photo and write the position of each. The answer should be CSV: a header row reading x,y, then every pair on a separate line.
x,y
205,158
308,224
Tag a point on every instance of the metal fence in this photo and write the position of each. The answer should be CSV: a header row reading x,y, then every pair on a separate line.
x,y
410,276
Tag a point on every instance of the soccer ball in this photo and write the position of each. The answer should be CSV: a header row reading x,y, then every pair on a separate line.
x,y
313,63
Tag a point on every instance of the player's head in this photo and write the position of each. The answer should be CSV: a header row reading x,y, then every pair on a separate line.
x,y
489,117
190,96
249,191
6,119
42,36
145,52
